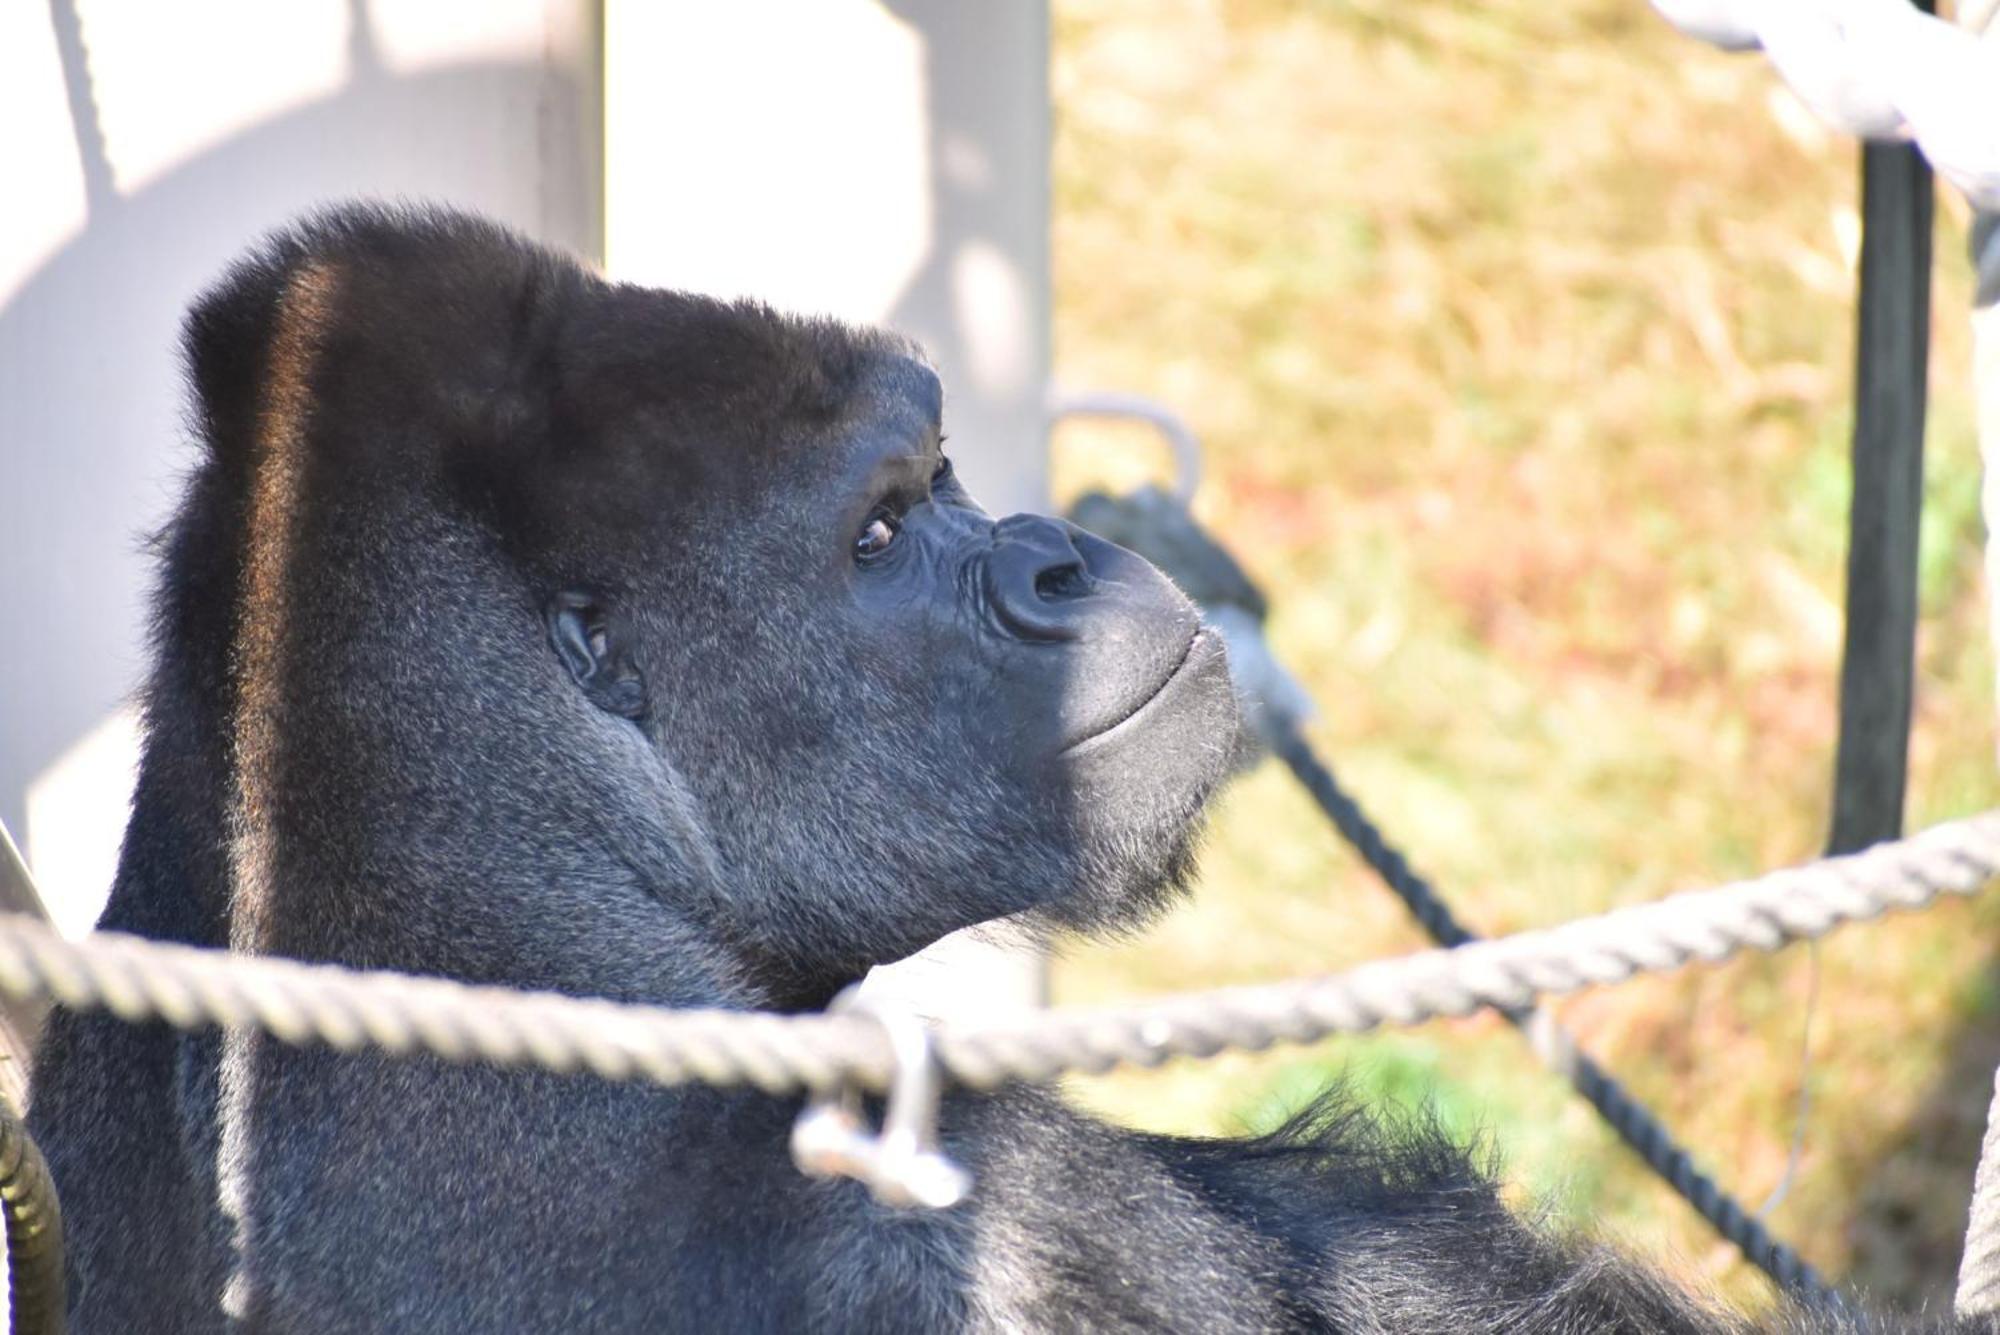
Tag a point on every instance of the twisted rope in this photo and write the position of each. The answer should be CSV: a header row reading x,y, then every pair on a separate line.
x,y
1879,69
352,1010
1506,973
1635,1124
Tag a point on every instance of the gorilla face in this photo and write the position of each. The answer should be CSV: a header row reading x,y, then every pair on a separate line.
x,y
897,716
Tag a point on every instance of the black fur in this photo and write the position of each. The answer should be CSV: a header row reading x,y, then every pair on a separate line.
x,y
513,629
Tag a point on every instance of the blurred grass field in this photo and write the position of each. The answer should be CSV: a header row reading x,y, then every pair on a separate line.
x,y
1520,339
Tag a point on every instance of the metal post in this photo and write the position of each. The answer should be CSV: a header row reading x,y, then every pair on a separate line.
x,y
1878,666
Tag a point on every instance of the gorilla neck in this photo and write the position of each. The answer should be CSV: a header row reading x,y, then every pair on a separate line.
x,y
782,989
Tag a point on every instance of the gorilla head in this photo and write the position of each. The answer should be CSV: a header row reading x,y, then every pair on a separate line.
x,y
875,713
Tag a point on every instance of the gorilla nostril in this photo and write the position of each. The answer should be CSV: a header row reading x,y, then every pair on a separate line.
x,y
1060,582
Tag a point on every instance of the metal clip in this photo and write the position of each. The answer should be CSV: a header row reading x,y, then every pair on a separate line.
x,y
902,1166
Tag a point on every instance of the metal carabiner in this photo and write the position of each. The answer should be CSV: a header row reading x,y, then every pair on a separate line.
x,y
902,1166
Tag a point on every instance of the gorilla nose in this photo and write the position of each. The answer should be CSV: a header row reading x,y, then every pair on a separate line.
x,y
1122,629
1035,576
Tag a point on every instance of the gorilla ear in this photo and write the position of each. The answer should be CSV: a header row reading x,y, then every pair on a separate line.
x,y
596,655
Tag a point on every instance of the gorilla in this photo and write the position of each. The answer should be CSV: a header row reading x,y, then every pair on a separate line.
x,y
532,629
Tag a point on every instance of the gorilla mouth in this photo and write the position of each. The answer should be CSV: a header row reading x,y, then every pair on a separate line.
x,y
1203,647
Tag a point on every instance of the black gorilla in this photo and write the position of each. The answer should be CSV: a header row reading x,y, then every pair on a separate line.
x,y
531,629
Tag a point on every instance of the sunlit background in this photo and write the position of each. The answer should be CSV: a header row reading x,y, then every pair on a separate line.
x,y
1519,339
1520,336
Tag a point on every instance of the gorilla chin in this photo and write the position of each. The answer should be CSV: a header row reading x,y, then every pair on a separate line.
x,y
1141,789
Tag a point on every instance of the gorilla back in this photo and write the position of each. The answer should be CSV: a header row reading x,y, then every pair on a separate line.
x,y
531,629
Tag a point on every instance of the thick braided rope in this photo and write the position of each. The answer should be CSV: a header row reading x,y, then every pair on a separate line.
x,y
1979,1268
359,1010
1956,858
1879,69
1635,1124
350,1010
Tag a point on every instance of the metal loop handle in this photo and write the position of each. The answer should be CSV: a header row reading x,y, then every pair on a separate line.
x,y
1179,436
902,1166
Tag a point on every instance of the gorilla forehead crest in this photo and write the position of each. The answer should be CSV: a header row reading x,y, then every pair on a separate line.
x,y
430,340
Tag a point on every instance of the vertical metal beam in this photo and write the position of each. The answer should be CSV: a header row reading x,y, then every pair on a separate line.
x,y
1892,346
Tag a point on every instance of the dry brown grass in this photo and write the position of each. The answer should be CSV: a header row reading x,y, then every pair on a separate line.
x,y
1519,336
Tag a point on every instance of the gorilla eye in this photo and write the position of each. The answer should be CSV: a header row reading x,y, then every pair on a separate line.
x,y
943,471
876,537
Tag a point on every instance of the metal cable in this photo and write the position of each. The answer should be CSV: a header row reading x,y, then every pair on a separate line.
x,y
1647,1136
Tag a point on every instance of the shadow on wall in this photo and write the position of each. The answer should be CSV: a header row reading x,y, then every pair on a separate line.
x,y
90,390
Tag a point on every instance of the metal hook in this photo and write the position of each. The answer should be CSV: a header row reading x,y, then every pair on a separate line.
x,y
902,1166
1179,436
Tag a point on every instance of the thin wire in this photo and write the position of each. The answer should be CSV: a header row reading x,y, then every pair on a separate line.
x,y
1644,1133
1784,1187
